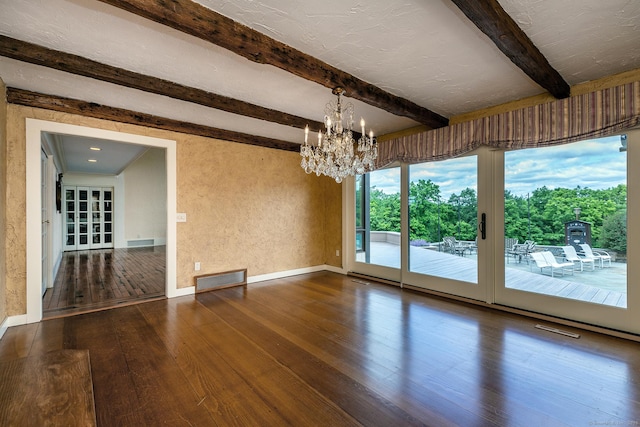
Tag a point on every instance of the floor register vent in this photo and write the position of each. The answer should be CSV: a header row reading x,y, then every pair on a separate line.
x,y
210,282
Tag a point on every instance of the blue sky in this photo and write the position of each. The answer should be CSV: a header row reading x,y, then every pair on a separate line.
x,y
594,163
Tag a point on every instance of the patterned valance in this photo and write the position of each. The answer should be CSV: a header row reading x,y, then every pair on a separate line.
x,y
596,114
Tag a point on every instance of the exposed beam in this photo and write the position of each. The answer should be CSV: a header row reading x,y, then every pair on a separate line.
x,y
492,20
192,18
39,55
90,109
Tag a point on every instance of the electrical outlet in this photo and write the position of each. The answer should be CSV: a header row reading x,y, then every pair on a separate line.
x,y
181,217
337,252
197,266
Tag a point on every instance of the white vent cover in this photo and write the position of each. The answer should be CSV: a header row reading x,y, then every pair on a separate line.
x,y
214,281
140,242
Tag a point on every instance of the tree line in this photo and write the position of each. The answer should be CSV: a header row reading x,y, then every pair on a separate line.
x,y
538,216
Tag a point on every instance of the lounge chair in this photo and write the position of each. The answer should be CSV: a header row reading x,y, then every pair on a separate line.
x,y
545,259
510,247
452,246
571,256
602,256
521,251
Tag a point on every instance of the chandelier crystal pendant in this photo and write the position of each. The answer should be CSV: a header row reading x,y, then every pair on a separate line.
x,y
337,154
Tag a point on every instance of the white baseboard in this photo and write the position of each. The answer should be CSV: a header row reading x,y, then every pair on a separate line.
x,y
288,273
180,292
3,327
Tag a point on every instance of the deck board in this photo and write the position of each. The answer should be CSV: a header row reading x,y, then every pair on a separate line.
x,y
464,268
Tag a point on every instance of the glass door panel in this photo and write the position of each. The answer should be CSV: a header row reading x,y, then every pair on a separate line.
x,y
443,219
566,226
570,204
446,200
378,218
374,233
83,218
107,220
69,206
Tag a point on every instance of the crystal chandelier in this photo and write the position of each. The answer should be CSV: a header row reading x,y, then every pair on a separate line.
x,y
337,154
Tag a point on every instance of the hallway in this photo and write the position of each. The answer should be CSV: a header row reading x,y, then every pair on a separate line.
x,y
96,279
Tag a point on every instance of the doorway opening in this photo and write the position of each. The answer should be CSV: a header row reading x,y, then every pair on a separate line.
x,y
134,229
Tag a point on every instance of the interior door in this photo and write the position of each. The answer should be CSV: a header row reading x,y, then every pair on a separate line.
x,y
44,215
88,213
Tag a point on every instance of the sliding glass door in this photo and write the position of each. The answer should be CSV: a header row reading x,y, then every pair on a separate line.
x,y
567,247
548,230
444,242
418,225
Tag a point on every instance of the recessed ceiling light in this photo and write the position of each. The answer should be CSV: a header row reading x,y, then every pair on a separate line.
x,y
95,148
93,161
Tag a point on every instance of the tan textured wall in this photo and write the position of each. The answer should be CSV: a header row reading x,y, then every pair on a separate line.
x,y
16,257
247,207
3,186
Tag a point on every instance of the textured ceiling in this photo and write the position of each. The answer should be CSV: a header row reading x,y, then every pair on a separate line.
x,y
425,51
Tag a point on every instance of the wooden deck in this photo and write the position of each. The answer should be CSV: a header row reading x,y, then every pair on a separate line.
x,y
454,267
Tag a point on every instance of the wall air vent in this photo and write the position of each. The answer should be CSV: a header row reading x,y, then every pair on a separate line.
x,y
140,243
215,281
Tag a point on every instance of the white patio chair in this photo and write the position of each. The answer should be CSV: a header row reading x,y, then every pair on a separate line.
x,y
554,264
596,255
571,255
539,260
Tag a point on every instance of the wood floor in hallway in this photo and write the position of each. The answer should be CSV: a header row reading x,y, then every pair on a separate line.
x,y
95,279
324,349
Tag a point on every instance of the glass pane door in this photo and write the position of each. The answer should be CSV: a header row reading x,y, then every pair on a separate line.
x,y
443,211
69,206
565,230
83,218
377,224
107,218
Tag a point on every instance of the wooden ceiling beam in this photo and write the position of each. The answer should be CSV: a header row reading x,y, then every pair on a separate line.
x,y
91,109
39,55
194,19
492,20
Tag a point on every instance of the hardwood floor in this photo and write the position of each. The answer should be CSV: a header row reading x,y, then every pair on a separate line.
x,y
91,280
325,349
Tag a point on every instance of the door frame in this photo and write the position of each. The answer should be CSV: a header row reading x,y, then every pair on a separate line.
x,y
34,130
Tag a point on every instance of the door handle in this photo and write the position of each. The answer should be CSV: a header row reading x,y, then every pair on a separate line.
x,y
483,226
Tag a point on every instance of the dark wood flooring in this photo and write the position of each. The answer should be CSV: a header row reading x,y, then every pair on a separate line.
x,y
325,349
96,279
48,389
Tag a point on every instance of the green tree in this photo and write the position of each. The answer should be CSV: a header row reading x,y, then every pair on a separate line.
x,y
614,232
424,220
384,211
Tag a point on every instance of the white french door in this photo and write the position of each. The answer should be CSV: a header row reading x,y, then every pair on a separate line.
x,y
88,218
444,206
44,216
